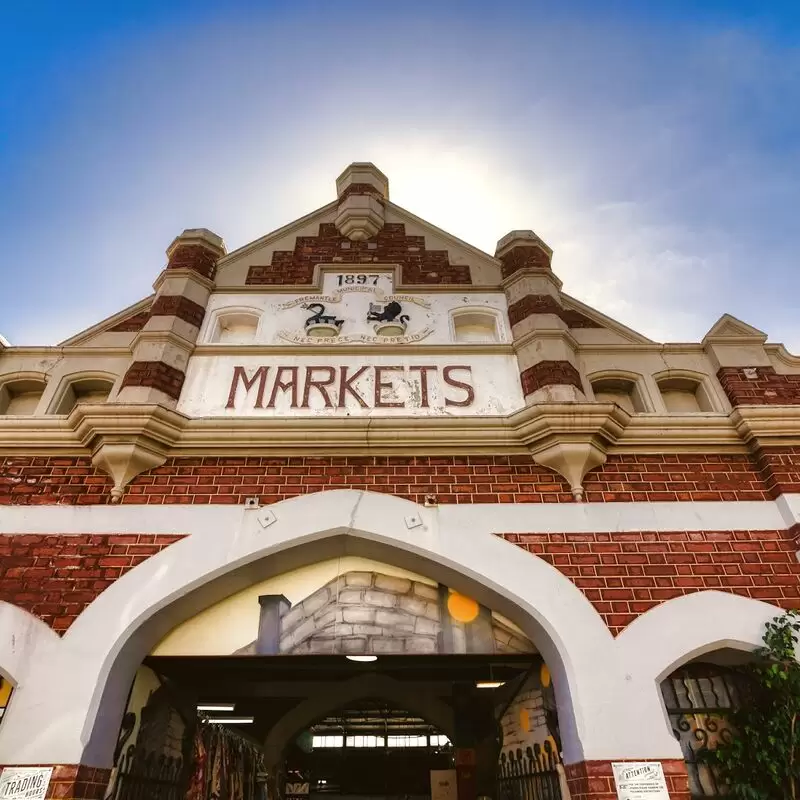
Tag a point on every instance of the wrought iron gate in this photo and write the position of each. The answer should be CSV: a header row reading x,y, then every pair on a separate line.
x,y
148,776
529,775
698,699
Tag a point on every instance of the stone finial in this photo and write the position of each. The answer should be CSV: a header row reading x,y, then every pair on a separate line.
x,y
362,190
515,239
362,174
520,250
196,249
198,237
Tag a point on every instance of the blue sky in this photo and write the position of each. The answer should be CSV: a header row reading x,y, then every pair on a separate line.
x,y
654,145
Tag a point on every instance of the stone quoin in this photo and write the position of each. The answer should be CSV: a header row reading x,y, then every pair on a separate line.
x,y
361,436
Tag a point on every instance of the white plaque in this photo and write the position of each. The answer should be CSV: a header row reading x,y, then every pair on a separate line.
x,y
24,783
443,784
640,780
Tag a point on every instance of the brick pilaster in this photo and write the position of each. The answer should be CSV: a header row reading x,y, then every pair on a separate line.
x,y
546,352
759,386
594,780
163,346
74,781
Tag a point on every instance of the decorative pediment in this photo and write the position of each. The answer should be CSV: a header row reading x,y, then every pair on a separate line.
x,y
731,328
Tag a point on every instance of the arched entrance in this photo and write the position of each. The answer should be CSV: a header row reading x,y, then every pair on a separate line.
x,y
361,676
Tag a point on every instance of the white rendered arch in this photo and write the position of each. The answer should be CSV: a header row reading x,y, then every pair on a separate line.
x,y
685,628
677,631
23,639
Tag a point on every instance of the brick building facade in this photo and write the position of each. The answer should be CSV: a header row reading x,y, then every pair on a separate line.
x,y
360,375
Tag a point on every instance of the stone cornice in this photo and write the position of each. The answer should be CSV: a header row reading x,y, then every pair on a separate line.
x,y
531,272
166,274
325,348
539,334
767,425
77,351
570,438
523,431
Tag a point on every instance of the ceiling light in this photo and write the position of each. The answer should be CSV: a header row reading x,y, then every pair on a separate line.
x,y
215,707
490,684
232,720
362,659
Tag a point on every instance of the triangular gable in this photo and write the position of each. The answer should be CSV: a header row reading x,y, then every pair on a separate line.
x,y
731,328
602,321
129,320
271,240
277,247
454,245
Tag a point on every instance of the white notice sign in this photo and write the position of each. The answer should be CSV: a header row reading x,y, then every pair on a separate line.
x,y
640,780
24,783
443,784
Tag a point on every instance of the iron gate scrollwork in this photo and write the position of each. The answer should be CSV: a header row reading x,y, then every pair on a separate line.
x,y
698,699
529,775
148,776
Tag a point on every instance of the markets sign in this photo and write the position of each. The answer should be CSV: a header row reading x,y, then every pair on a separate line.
x,y
345,386
24,783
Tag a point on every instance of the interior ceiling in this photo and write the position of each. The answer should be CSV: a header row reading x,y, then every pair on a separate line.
x,y
267,687
254,675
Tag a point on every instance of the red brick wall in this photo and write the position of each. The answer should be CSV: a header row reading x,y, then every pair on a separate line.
x,y
524,257
549,373
547,304
56,577
156,374
390,245
685,476
132,324
453,479
780,469
194,257
176,305
594,780
626,574
767,388
75,781
78,782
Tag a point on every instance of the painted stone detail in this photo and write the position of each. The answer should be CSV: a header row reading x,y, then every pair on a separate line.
x,y
373,613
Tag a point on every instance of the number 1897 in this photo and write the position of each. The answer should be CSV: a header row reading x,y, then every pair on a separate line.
x,y
346,280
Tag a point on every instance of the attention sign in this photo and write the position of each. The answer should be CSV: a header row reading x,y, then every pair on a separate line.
x,y
640,780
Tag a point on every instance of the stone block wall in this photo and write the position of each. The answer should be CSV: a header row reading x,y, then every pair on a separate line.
x,y
370,612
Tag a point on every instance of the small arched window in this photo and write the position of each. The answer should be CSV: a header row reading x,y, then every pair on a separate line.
x,y
83,391
684,395
234,327
475,326
21,396
620,390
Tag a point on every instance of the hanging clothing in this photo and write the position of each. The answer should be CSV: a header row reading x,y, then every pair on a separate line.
x,y
226,766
